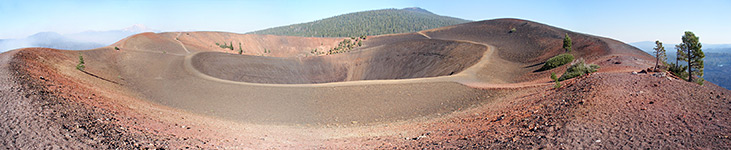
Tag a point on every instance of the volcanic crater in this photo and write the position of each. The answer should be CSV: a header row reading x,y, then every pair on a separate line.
x,y
472,85
404,60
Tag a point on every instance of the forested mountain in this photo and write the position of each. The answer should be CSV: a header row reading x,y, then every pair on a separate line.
x,y
374,22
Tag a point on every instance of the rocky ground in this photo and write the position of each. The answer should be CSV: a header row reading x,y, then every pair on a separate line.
x,y
603,110
44,110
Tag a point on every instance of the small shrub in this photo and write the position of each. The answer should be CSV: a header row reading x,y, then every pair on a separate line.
x,y
555,79
556,61
512,30
699,80
81,66
678,70
224,46
116,48
346,45
578,68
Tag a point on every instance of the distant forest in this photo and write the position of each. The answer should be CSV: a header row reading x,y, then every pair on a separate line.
x,y
375,22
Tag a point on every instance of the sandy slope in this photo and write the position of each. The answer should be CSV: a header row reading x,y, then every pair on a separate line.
x,y
472,85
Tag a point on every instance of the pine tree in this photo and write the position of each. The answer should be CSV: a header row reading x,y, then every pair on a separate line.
x,y
81,66
676,68
679,53
567,43
690,52
241,49
659,54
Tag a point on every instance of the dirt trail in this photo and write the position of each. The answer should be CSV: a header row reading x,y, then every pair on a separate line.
x,y
21,124
181,43
422,34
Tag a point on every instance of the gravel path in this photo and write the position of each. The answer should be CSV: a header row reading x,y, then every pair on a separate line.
x,y
21,123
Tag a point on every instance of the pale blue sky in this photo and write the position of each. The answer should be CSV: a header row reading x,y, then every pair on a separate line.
x,y
625,20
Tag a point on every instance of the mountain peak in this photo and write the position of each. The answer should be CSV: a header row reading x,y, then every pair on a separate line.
x,y
371,22
138,28
417,9
46,35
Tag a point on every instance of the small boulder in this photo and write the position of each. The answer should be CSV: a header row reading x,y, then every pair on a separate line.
x,y
659,74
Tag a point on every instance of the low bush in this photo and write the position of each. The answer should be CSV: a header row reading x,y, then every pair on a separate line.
x,y
699,81
578,68
556,61
678,70
224,46
346,45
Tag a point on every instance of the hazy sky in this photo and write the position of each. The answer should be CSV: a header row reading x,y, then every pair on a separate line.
x,y
628,21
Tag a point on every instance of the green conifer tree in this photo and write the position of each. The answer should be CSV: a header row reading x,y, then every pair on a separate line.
x,y
567,43
690,52
659,54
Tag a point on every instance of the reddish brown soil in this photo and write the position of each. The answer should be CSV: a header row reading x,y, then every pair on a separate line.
x,y
143,97
603,110
43,109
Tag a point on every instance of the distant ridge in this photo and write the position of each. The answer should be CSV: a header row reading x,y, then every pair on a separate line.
x,y
74,41
374,22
